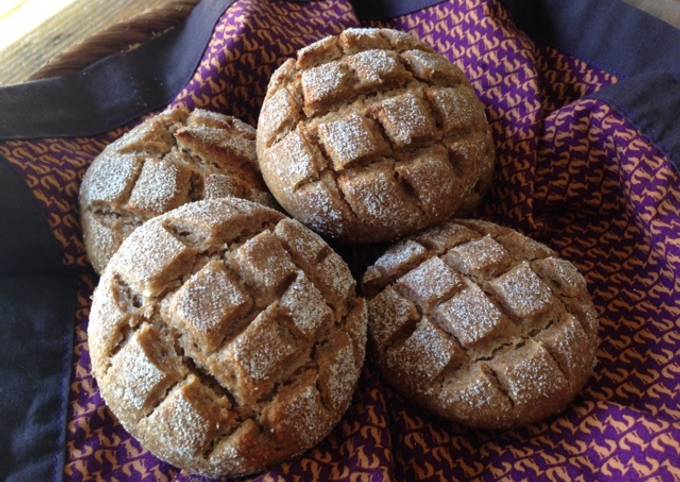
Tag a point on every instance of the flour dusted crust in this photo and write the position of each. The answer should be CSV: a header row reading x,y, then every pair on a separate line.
x,y
168,160
370,135
481,324
226,337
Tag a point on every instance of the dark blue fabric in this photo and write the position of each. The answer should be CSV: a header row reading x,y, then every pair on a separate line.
x,y
26,245
651,102
641,50
608,34
37,312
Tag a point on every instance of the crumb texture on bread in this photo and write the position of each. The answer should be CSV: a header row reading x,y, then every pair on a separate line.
x,y
168,160
226,337
481,324
370,135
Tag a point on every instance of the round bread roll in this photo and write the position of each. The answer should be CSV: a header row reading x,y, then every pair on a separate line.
x,y
480,324
370,135
226,337
168,160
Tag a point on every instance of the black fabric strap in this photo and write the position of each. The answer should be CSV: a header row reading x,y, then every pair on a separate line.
x,y
27,244
37,311
36,351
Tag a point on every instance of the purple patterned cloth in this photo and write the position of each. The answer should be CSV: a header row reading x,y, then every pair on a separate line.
x,y
571,171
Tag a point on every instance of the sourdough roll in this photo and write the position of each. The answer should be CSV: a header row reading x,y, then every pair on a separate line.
x,y
168,160
371,135
226,337
480,324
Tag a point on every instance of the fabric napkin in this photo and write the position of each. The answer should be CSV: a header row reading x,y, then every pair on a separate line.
x,y
583,98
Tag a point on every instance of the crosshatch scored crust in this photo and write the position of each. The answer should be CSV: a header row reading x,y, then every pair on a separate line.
x,y
168,160
481,324
370,135
226,337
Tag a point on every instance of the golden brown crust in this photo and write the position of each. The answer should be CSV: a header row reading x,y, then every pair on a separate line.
x,y
370,135
226,337
168,160
481,324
